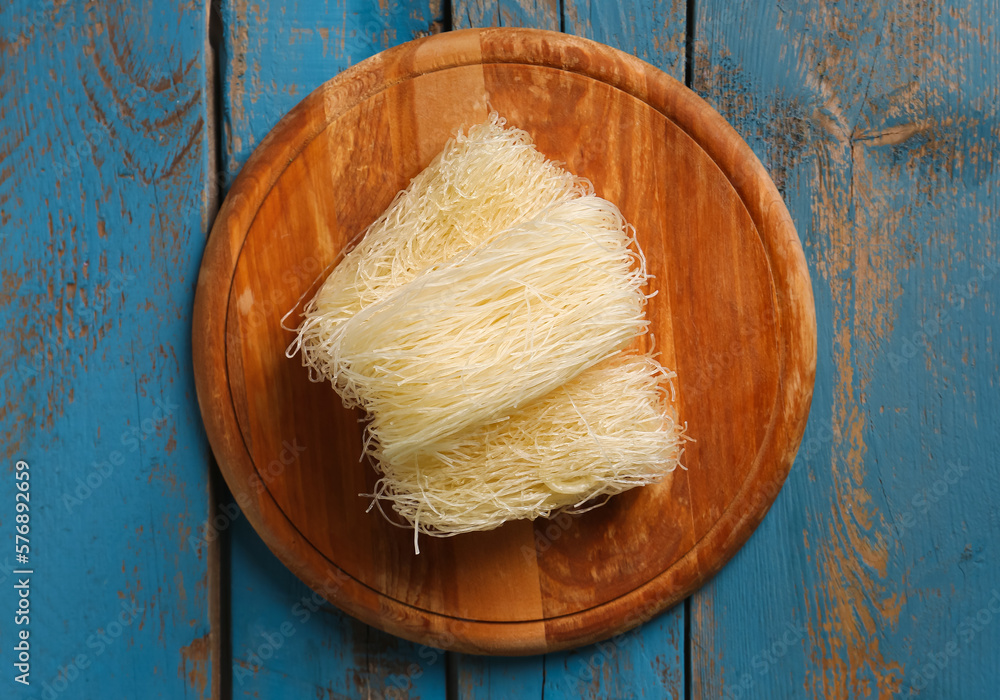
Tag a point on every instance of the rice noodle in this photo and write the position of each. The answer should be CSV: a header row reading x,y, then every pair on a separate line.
x,y
602,433
480,322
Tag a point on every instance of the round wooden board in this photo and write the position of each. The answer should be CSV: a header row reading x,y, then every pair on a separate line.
x,y
733,314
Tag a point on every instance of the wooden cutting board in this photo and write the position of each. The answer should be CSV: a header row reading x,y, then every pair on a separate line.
x,y
733,314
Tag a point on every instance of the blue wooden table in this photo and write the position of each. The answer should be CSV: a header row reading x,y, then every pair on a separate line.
x,y
876,573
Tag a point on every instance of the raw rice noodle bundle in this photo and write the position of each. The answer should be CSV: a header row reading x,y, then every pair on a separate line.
x,y
470,341
481,323
482,183
517,468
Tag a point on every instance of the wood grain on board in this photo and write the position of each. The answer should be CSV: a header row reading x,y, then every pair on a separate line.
x,y
104,210
729,274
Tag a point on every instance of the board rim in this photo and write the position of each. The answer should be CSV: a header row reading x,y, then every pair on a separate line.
x,y
795,331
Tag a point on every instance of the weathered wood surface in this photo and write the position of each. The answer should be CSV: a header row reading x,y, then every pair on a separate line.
x,y
104,209
874,573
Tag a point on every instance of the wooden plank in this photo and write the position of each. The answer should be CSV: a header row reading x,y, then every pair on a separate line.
x,y
646,662
272,55
653,30
539,14
872,576
104,205
289,642
649,661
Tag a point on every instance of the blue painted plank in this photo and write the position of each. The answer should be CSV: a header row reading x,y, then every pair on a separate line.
x,y
538,14
273,54
875,574
647,662
104,156
653,30
644,663
289,642
285,641
498,678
